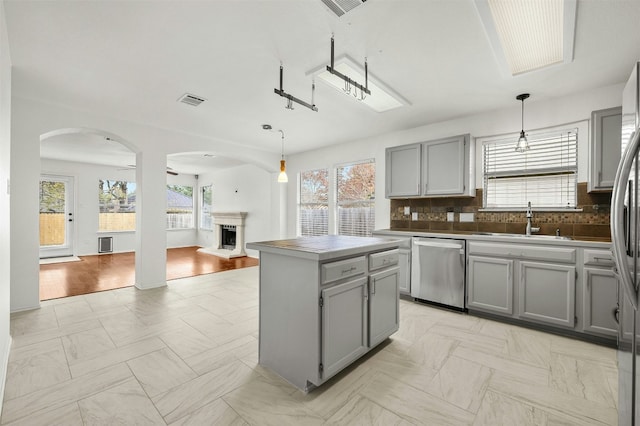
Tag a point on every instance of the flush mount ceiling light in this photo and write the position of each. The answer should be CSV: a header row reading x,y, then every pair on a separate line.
x,y
528,35
346,71
282,177
291,99
522,145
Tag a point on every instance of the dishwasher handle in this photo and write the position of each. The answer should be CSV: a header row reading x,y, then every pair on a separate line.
x,y
438,244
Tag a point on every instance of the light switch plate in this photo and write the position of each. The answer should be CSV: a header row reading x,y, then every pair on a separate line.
x,y
450,216
407,210
466,217
414,216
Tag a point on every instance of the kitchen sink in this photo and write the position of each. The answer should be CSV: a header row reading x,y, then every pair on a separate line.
x,y
535,237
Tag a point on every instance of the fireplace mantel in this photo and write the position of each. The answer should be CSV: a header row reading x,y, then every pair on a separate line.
x,y
220,219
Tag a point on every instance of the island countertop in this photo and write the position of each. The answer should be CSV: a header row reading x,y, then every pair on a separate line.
x,y
324,247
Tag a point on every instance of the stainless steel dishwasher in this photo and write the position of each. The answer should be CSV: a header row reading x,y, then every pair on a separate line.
x,y
438,271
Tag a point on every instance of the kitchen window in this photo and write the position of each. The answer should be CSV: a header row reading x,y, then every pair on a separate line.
x,y
545,175
355,196
179,207
313,205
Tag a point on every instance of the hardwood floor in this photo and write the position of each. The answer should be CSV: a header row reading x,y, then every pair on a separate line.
x,y
111,271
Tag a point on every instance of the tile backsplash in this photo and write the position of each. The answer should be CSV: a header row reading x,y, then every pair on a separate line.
x,y
591,222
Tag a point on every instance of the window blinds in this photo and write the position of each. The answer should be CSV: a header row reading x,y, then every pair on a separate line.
x,y
545,175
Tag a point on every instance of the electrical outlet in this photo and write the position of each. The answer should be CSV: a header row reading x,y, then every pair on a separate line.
x,y
414,216
450,216
407,210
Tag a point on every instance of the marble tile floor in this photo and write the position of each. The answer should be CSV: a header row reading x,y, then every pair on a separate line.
x,y
187,355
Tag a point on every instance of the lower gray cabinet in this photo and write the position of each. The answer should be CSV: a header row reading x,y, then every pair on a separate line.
x,y
490,285
600,302
344,325
547,293
383,305
404,277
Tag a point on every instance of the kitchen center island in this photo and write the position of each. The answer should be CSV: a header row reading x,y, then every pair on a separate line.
x,y
324,302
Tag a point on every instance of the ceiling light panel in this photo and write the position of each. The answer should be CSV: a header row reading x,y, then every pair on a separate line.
x,y
381,99
528,35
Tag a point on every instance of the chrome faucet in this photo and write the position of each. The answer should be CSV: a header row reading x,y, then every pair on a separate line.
x,y
530,229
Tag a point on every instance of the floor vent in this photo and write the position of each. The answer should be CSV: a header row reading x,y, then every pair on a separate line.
x,y
340,7
191,99
105,244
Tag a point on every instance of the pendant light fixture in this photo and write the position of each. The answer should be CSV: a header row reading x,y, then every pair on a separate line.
x,y
523,144
282,177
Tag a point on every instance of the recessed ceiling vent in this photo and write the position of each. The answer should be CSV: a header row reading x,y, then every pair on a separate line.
x,y
340,7
191,99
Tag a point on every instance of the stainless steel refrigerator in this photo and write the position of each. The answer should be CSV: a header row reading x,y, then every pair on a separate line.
x,y
625,236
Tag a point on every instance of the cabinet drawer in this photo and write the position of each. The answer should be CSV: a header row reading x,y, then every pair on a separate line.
x,y
335,271
522,251
383,259
598,257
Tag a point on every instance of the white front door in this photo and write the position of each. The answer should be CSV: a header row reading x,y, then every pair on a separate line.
x,y
56,216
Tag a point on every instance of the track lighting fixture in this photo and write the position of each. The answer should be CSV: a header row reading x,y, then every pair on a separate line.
x,y
348,82
291,99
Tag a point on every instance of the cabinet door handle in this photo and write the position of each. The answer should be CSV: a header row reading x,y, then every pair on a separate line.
x,y
365,289
373,287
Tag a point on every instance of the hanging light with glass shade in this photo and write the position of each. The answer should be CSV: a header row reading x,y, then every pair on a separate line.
x,y
523,144
282,177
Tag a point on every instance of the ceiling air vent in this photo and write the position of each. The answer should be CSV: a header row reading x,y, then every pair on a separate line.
x,y
340,7
191,99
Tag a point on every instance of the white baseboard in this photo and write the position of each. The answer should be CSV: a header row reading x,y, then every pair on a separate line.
x,y
3,371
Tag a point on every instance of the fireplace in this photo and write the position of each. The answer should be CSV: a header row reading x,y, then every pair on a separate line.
x,y
229,234
228,241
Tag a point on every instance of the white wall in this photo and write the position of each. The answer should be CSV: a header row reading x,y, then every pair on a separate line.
x,y
248,189
571,109
5,162
30,119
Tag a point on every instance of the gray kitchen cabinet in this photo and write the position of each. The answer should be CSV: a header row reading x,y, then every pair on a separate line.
x,y
547,293
403,171
490,285
404,276
384,306
316,307
600,301
605,150
344,325
445,166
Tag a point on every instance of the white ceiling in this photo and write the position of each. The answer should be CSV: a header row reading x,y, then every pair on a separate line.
x,y
134,59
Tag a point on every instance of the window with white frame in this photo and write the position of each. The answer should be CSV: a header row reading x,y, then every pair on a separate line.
x,y
313,205
206,207
117,205
355,198
179,207
545,175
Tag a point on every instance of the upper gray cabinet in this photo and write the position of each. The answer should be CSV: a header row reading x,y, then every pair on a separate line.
x,y
435,168
403,171
605,148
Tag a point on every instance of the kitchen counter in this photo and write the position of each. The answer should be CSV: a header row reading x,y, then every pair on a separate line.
x,y
325,247
602,243
324,302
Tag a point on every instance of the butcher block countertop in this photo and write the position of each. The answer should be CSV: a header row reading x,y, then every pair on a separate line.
x,y
325,247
